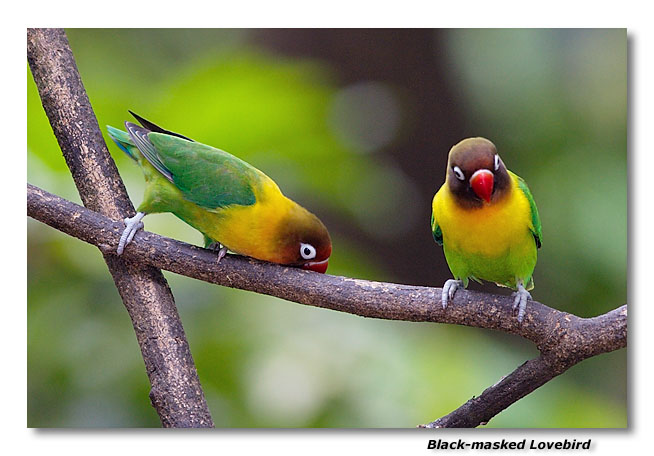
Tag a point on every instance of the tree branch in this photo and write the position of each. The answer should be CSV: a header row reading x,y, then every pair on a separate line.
x,y
563,339
176,393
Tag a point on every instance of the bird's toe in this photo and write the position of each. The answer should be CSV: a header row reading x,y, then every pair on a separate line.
x,y
520,302
221,253
132,225
449,289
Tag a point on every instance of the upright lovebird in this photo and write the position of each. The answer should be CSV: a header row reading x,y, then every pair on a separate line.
x,y
487,222
233,204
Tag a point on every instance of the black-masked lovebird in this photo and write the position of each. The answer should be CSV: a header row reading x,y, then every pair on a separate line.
x,y
487,222
234,205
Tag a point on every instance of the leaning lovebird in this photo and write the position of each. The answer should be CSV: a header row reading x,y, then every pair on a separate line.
x,y
233,204
487,222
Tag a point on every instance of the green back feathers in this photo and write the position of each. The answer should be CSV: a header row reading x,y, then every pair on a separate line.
x,y
206,176
209,177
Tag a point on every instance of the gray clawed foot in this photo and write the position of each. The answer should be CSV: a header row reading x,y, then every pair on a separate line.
x,y
132,225
449,288
520,301
222,250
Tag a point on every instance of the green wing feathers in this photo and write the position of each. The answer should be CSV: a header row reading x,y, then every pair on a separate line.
x,y
536,229
209,177
141,138
436,231
206,176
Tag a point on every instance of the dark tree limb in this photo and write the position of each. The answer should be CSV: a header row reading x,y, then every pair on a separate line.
x,y
562,338
588,337
176,393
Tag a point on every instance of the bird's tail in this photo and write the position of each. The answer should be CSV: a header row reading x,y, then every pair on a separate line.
x,y
123,140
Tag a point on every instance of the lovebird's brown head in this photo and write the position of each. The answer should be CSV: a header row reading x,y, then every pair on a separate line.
x,y
476,174
306,241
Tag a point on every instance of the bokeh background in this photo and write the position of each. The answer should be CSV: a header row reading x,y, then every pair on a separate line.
x,y
356,125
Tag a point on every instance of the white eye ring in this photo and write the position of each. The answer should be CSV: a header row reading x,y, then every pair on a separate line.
x,y
458,173
307,251
497,162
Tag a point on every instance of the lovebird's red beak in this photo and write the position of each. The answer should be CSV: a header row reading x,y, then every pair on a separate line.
x,y
482,184
318,266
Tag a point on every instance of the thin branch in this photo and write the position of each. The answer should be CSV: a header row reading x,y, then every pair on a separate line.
x,y
562,338
176,393
589,338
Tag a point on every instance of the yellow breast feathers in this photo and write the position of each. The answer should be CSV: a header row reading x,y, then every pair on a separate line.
x,y
489,230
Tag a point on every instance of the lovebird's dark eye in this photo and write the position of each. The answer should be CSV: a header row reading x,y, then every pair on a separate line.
x,y
458,173
307,251
497,162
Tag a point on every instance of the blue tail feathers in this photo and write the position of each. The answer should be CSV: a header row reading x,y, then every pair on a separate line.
x,y
122,140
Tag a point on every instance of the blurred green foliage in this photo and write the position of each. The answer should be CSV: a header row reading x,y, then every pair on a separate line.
x,y
553,101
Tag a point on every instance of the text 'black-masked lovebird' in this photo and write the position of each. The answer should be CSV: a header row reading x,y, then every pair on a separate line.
x,y
233,204
486,220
